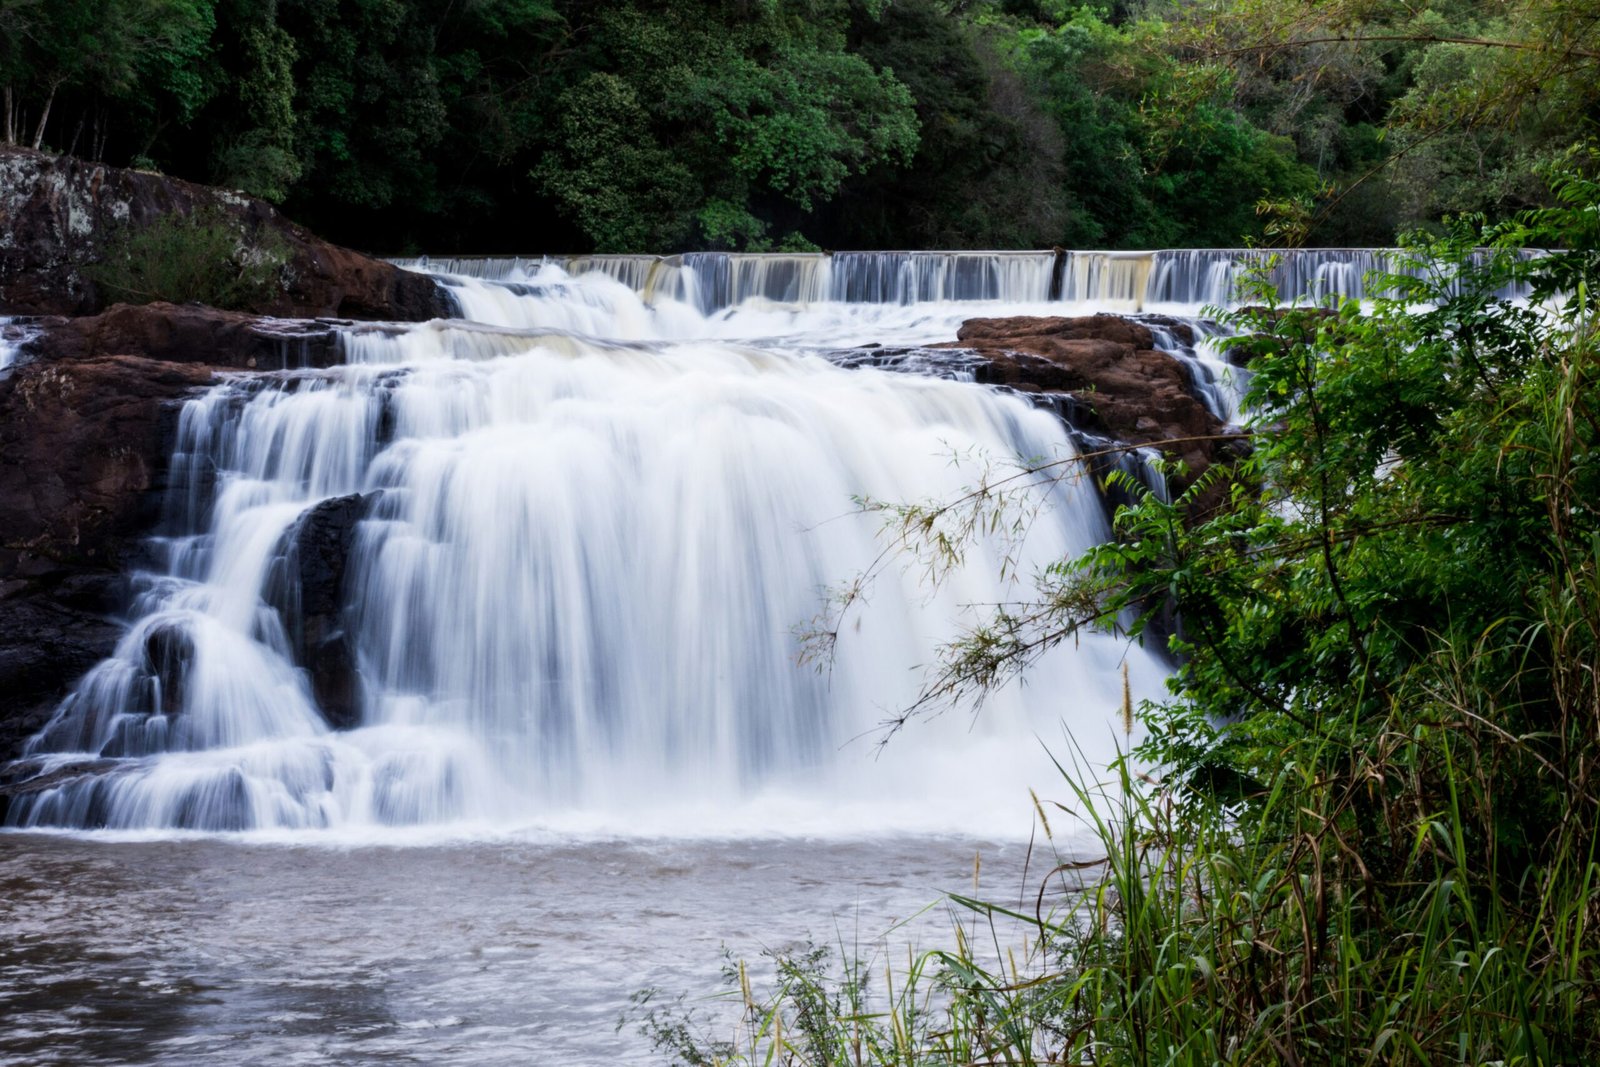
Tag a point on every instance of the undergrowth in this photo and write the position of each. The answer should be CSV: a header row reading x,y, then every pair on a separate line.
x,y
1371,834
203,257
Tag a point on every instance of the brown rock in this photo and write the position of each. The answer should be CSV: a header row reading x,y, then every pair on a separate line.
x,y
1120,385
188,333
56,212
83,451
987,332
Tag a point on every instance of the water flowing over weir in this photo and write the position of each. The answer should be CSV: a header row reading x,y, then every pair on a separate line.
x,y
1169,280
574,536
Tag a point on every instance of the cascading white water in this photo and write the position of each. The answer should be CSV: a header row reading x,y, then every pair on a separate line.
x,y
586,538
12,337
1173,281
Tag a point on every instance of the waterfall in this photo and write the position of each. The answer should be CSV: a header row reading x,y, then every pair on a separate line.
x,y
1174,281
577,539
12,336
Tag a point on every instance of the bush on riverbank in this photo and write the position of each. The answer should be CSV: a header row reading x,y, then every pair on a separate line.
x,y
1376,837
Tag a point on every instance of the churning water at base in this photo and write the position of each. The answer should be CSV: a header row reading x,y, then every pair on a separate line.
x,y
561,559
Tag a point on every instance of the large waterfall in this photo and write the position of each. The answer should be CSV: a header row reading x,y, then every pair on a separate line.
x,y
571,537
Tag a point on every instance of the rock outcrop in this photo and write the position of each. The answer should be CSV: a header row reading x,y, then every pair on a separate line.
x,y
187,333
84,450
56,212
1119,386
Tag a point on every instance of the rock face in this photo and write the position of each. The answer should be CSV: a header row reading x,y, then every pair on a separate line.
x,y
55,213
84,447
47,640
83,453
1119,385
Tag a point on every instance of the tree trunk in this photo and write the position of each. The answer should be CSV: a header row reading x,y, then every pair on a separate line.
x,y
38,134
72,149
11,119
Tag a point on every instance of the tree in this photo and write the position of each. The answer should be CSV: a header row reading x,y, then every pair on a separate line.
x,y
739,120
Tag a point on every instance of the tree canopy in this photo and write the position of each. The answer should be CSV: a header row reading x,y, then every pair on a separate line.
x,y
642,125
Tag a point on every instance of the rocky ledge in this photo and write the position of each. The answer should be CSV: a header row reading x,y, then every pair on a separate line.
x,y
56,213
1119,385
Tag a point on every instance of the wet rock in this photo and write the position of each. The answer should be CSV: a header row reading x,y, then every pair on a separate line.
x,y
1180,330
26,778
1121,387
187,333
46,645
311,604
57,211
84,448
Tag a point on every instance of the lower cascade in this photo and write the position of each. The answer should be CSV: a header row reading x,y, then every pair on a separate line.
x,y
502,576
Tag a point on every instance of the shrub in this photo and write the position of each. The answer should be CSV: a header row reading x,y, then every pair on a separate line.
x,y
203,257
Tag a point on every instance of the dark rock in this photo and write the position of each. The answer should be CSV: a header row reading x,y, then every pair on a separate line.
x,y
45,647
83,449
168,655
311,604
187,333
25,778
1181,331
56,212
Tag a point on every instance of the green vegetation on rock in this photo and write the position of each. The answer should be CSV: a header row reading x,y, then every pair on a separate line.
x,y
204,258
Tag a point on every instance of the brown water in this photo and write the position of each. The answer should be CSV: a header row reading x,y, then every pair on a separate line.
x,y
208,950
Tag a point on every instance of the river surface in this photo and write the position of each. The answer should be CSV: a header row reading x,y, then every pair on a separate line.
x,y
516,950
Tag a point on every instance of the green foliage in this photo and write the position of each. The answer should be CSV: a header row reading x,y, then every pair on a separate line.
x,y
1367,827
841,123
1158,157
626,191
715,124
260,159
202,257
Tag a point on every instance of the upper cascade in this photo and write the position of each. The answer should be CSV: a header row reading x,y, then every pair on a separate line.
x,y
1165,280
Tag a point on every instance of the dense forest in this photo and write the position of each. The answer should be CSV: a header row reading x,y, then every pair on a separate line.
x,y
634,125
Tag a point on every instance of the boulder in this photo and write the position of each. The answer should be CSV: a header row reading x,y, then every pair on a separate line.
x,y
57,211
1120,386
311,603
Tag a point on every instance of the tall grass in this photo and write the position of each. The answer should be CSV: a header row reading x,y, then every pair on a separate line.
x,y
1378,837
1187,933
